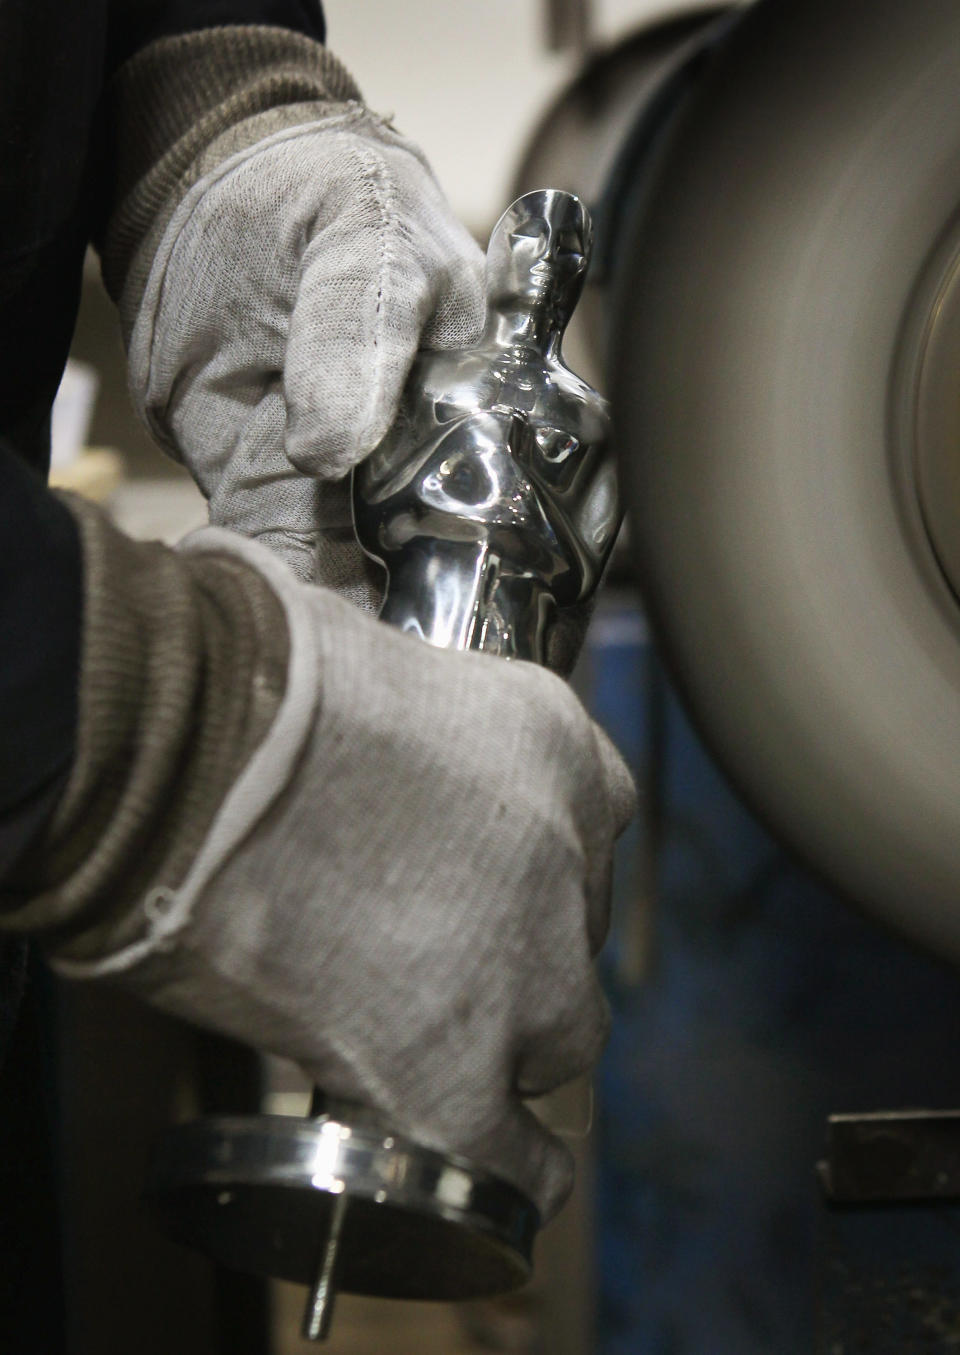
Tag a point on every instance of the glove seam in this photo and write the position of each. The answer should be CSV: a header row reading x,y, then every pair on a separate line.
x,y
379,179
139,309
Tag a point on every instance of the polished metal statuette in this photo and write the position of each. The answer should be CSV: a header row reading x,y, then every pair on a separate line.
x,y
493,502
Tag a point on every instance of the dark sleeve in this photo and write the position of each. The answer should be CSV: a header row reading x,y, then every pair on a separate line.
x,y
51,71
135,23
56,167
40,620
55,173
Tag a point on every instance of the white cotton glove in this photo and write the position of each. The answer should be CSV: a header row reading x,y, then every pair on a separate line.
x,y
405,887
285,304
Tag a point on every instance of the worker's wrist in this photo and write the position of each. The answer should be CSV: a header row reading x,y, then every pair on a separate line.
x,y
183,669
186,103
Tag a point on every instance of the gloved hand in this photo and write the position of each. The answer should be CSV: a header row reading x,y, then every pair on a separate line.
x,y
402,888
289,294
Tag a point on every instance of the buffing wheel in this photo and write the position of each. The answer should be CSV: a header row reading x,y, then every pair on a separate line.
x,y
788,400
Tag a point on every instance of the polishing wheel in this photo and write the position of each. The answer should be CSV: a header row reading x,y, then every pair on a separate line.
x,y
787,392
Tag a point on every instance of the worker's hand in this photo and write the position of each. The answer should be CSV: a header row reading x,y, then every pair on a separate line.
x,y
405,886
288,297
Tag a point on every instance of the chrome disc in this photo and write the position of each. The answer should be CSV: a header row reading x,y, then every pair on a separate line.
x,y
259,1193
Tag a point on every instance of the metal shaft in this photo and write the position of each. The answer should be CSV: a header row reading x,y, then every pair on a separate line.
x,y
318,1313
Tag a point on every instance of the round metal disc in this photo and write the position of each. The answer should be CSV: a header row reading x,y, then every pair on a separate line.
x,y
787,394
257,1193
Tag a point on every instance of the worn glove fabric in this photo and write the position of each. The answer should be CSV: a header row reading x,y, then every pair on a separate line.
x,y
401,886
288,297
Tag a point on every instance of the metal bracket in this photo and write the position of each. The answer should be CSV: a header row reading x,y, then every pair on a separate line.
x,y
891,1157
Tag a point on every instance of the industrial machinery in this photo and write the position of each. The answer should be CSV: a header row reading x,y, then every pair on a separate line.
x,y
785,382
493,505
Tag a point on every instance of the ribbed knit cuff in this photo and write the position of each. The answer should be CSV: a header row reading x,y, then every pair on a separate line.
x,y
134,24
172,101
183,669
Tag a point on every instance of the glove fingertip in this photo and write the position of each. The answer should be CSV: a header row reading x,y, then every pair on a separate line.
x,y
532,1157
557,1175
621,786
458,319
331,429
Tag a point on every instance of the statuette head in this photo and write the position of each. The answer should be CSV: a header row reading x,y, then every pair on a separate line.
x,y
539,252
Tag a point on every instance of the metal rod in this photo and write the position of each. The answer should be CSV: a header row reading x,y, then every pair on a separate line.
x,y
318,1313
